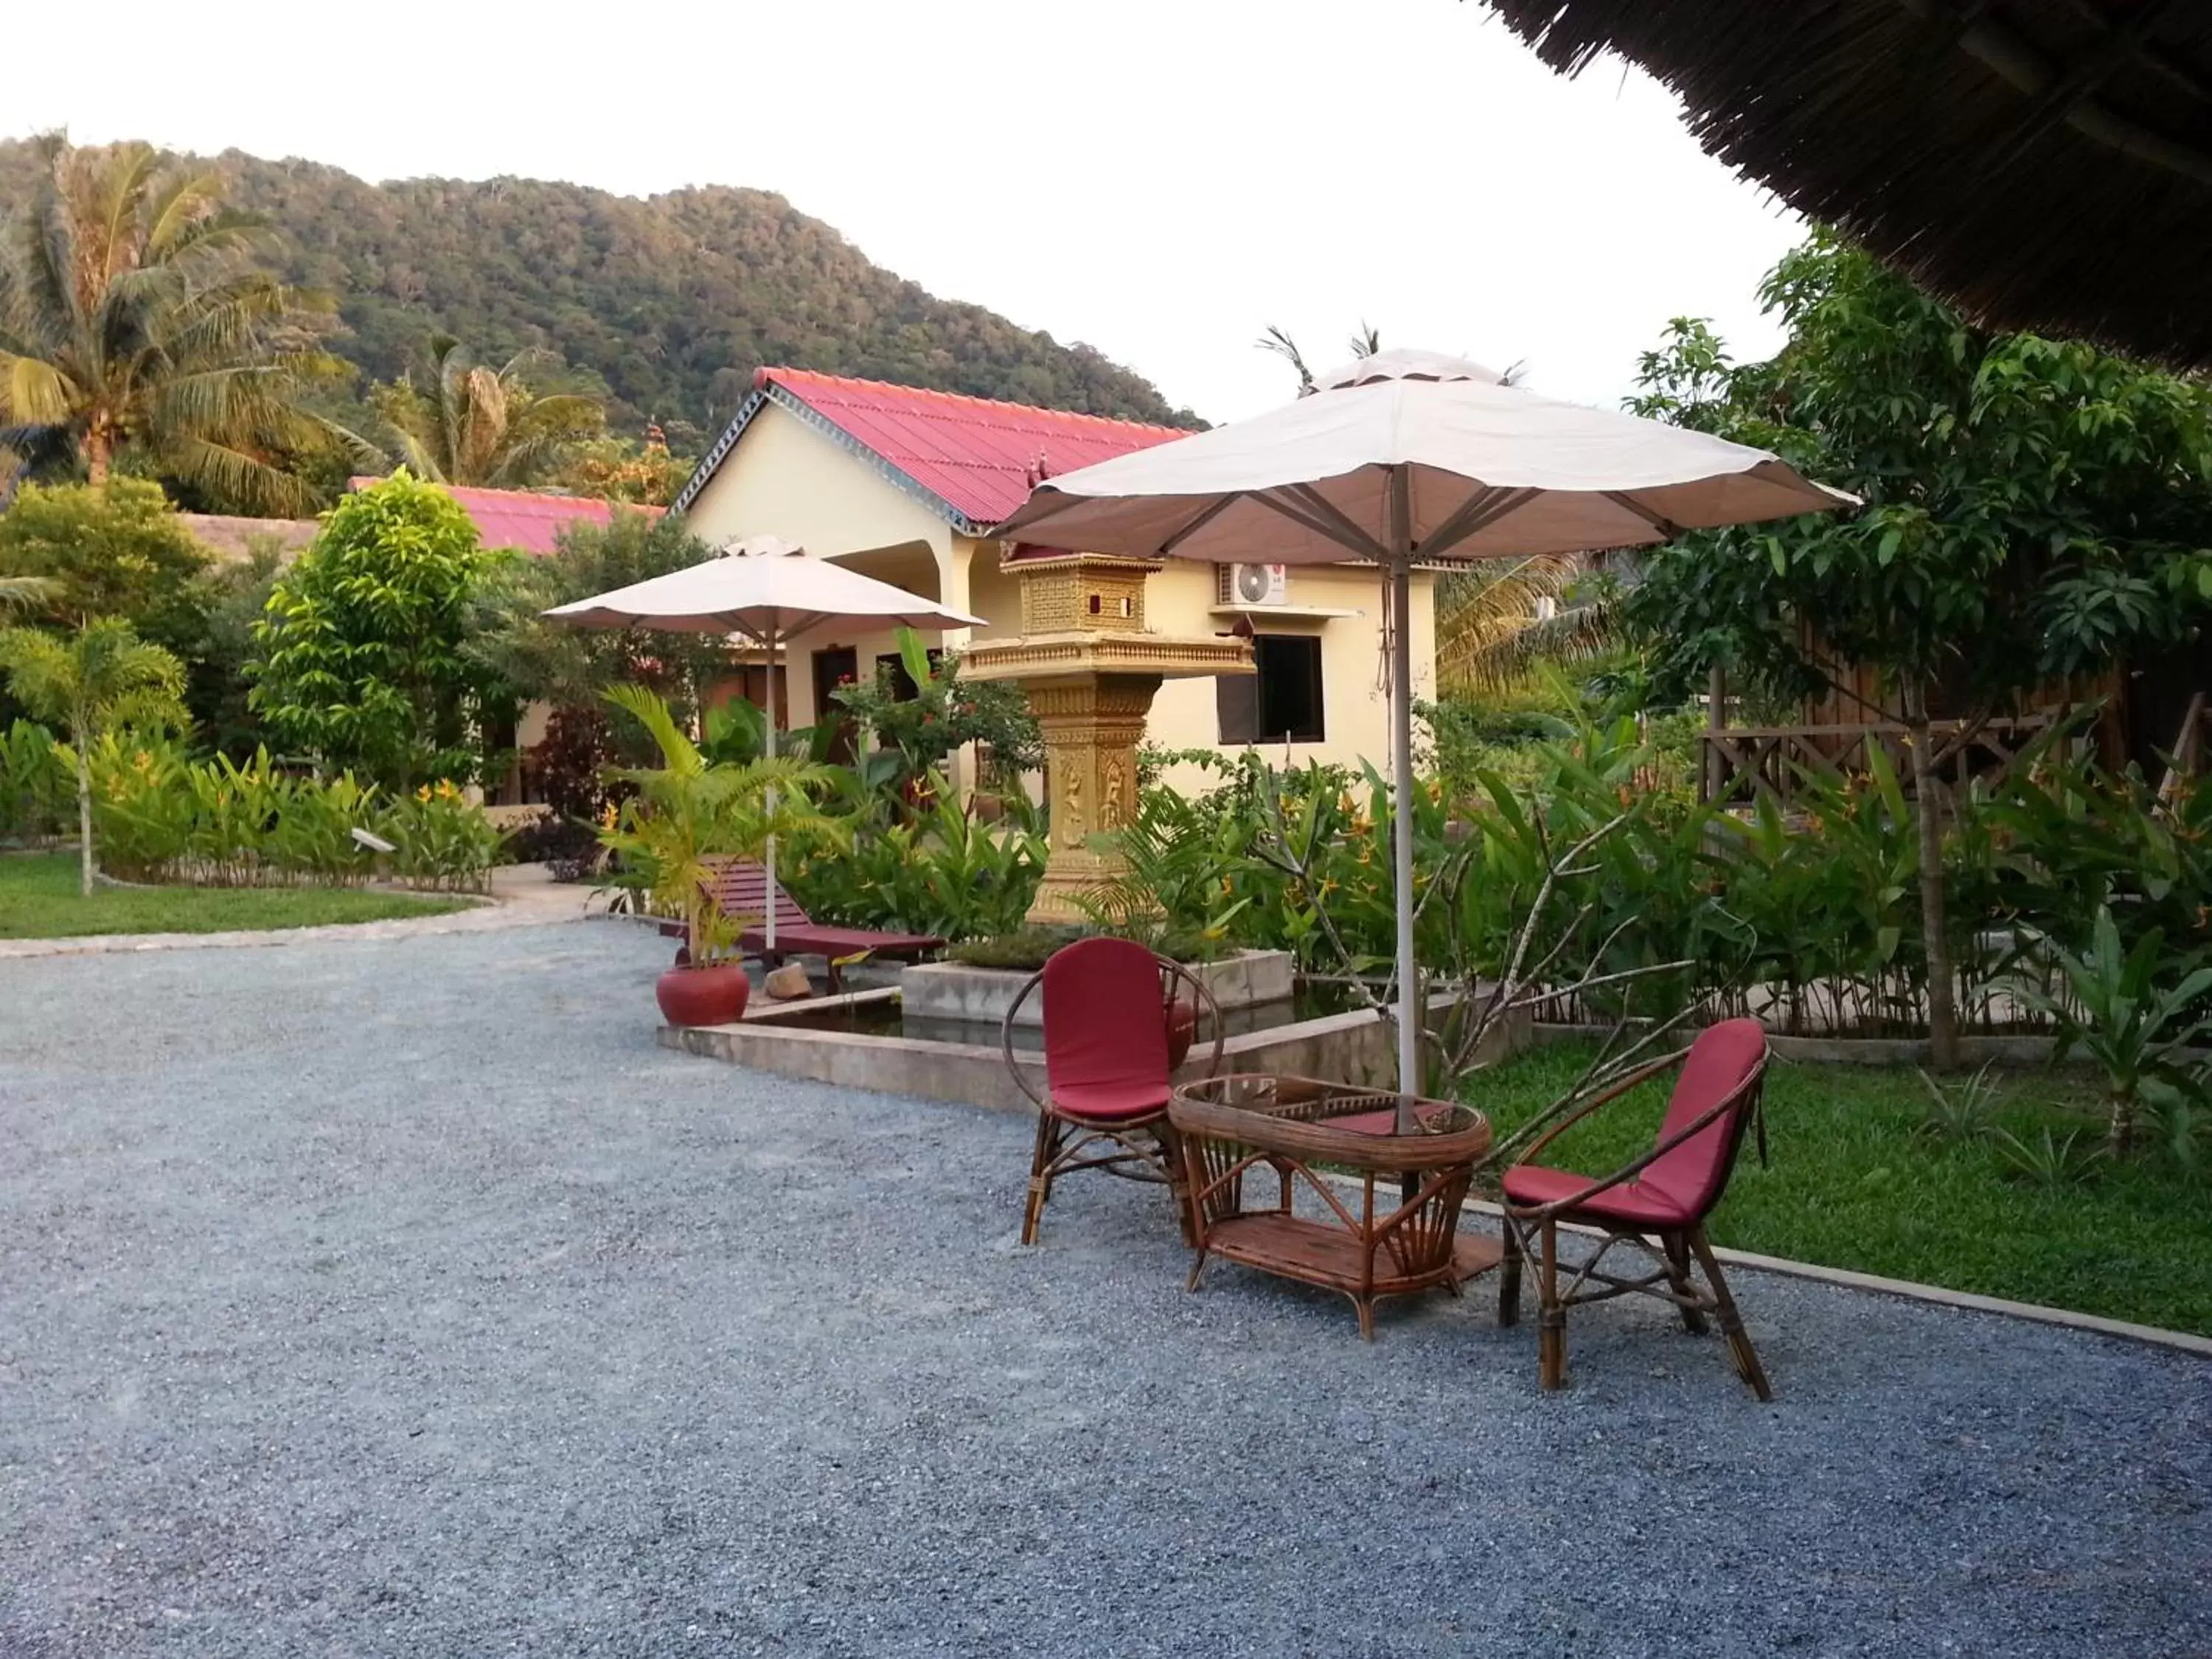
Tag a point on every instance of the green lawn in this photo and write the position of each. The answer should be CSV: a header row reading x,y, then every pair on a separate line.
x,y
39,899
1857,1182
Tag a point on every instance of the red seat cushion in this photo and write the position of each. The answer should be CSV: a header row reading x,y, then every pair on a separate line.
x,y
1105,1029
1383,1122
1677,1189
1632,1203
1111,1102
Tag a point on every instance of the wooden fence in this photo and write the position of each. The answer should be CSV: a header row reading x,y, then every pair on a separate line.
x,y
1741,763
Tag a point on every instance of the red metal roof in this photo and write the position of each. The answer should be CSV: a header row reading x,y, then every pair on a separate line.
x,y
523,518
980,456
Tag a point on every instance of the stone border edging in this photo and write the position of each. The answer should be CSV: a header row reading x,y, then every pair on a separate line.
x,y
1915,1291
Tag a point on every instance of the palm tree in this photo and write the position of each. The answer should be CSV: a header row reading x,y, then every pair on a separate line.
x,y
134,312
461,421
690,811
99,679
1498,620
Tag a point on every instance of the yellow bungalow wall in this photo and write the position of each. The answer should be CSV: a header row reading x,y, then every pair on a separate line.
x,y
784,478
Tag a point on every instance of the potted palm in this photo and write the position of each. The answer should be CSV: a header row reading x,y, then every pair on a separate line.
x,y
688,815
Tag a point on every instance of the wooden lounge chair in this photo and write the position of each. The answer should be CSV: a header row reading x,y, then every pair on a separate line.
x,y
740,888
1657,1204
1108,1007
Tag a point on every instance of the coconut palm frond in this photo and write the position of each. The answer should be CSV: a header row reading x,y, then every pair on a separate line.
x,y
456,421
1490,631
1273,339
25,590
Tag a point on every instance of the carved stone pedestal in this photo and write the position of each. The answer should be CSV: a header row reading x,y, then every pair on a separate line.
x,y
1090,667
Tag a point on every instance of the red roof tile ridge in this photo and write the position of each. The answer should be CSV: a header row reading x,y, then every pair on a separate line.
x,y
798,379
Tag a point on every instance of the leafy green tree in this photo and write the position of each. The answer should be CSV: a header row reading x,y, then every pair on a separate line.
x,y
934,712
461,421
136,314
217,687
112,550
101,678
363,647
546,661
2034,509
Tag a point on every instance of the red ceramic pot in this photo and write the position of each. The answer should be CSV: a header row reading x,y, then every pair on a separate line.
x,y
703,996
1182,1026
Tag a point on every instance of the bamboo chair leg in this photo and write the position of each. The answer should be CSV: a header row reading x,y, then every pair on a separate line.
x,y
1552,1318
1178,1174
1197,1269
1048,1149
1508,1277
1678,1279
1739,1341
1366,1306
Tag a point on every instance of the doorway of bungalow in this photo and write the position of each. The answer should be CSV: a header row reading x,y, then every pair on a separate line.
x,y
836,665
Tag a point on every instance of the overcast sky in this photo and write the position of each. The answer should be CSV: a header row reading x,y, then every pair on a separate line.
x,y
1160,178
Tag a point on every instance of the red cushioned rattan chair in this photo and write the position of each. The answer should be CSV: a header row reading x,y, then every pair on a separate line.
x,y
1657,1205
1109,1006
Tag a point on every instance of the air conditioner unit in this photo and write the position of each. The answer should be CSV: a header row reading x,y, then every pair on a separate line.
x,y
1252,584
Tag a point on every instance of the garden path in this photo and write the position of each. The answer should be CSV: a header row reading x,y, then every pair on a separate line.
x,y
401,1297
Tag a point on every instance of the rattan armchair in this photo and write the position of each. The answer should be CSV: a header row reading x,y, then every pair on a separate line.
x,y
1656,1204
1110,1008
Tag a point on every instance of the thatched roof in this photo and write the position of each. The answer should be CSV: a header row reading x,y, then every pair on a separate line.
x,y
2043,164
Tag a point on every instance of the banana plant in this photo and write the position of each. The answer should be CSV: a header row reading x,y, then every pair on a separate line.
x,y
2135,1012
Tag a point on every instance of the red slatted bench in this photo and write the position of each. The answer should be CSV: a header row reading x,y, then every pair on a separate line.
x,y
740,888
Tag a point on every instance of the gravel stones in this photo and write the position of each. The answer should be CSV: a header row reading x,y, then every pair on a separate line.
x,y
401,1296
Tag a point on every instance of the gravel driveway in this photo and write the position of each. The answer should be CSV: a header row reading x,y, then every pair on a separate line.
x,y
402,1297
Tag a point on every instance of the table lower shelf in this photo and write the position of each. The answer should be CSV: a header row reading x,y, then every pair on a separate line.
x,y
1325,1252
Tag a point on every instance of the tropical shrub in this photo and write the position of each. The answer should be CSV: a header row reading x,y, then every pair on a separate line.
x,y
545,661
439,838
2135,1012
34,783
162,816
941,714
935,870
98,681
689,812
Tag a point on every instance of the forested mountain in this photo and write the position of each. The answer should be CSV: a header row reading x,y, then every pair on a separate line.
x,y
666,304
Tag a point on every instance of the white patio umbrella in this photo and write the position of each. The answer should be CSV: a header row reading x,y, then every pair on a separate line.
x,y
1411,457
769,591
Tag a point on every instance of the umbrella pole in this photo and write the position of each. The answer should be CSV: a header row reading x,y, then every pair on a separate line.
x,y
768,708
1401,582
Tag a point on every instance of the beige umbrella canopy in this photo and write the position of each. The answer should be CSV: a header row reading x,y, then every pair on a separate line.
x,y
1403,458
771,591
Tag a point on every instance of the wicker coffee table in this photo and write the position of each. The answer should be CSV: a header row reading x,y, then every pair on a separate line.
x,y
1231,1127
